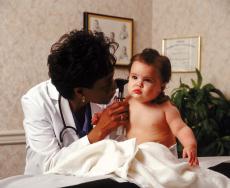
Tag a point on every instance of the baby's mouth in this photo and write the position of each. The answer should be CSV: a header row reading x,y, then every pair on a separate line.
x,y
137,91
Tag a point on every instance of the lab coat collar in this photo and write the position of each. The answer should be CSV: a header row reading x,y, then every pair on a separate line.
x,y
53,93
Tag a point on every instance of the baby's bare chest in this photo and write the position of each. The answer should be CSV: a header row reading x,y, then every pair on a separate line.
x,y
146,117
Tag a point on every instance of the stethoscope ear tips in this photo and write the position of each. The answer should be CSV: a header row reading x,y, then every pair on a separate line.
x,y
120,82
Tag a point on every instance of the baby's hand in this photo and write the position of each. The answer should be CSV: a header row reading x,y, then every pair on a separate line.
x,y
191,153
95,118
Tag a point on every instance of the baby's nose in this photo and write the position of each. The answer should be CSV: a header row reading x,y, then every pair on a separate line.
x,y
140,83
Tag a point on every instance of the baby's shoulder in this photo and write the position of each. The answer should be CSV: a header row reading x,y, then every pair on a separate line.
x,y
169,106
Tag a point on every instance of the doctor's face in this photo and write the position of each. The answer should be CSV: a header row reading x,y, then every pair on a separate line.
x,y
102,91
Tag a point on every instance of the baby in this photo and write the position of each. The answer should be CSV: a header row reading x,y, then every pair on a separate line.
x,y
153,118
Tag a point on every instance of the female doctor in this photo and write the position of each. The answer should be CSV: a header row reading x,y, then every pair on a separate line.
x,y
57,112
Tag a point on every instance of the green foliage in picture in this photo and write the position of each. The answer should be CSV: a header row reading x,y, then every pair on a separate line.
x,y
206,110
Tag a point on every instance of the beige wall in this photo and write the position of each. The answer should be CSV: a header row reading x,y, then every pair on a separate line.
x,y
27,30
29,27
208,18
12,160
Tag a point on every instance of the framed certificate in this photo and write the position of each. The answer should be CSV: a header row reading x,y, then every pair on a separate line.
x,y
184,53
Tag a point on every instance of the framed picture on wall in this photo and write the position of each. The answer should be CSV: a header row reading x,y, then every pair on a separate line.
x,y
184,53
118,29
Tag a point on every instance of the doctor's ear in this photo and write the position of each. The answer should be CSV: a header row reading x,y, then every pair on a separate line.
x,y
78,92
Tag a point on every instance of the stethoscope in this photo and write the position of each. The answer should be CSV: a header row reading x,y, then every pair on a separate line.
x,y
61,135
79,131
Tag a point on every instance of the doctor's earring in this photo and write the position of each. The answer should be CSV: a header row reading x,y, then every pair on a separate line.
x,y
83,99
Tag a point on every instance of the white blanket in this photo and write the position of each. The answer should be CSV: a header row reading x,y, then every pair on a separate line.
x,y
148,165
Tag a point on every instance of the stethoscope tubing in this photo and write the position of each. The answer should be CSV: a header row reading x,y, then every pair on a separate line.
x,y
63,121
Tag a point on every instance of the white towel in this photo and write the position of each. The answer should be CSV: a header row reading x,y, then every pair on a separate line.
x,y
148,165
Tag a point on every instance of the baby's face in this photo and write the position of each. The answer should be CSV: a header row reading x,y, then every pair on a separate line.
x,y
144,82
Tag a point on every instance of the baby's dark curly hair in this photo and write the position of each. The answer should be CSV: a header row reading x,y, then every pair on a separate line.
x,y
152,57
79,59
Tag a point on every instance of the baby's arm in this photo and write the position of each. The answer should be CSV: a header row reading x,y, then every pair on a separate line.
x,y
183,133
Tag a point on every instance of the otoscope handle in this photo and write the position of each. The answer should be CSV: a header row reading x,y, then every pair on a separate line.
x,y
120,85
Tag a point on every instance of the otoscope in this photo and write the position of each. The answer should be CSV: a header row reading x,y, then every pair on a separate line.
x,y
120,85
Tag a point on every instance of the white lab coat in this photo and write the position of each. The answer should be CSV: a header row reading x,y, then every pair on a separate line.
x,y
43,124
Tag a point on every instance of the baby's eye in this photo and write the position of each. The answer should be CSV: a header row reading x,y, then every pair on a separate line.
x,y
134,77
148,80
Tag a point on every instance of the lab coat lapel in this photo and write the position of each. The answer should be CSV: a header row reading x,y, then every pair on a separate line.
x,y
68,116
53,93
58,125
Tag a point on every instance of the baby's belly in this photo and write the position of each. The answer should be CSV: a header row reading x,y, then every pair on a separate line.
x,y
166,138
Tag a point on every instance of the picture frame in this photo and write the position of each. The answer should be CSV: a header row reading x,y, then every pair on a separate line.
x,y
118,29
183,53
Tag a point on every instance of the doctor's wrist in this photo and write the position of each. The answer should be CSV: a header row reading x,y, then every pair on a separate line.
x,y
96,135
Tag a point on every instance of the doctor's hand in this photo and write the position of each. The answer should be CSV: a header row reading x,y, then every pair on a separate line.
x,y
95,118
115,115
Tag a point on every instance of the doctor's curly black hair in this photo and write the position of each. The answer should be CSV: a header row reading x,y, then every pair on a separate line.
x,y
79,59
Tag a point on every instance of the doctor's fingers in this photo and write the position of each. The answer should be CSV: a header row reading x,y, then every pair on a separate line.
x,y
114,124
121,117
113,120
115,117
108,116
118,107
124,102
